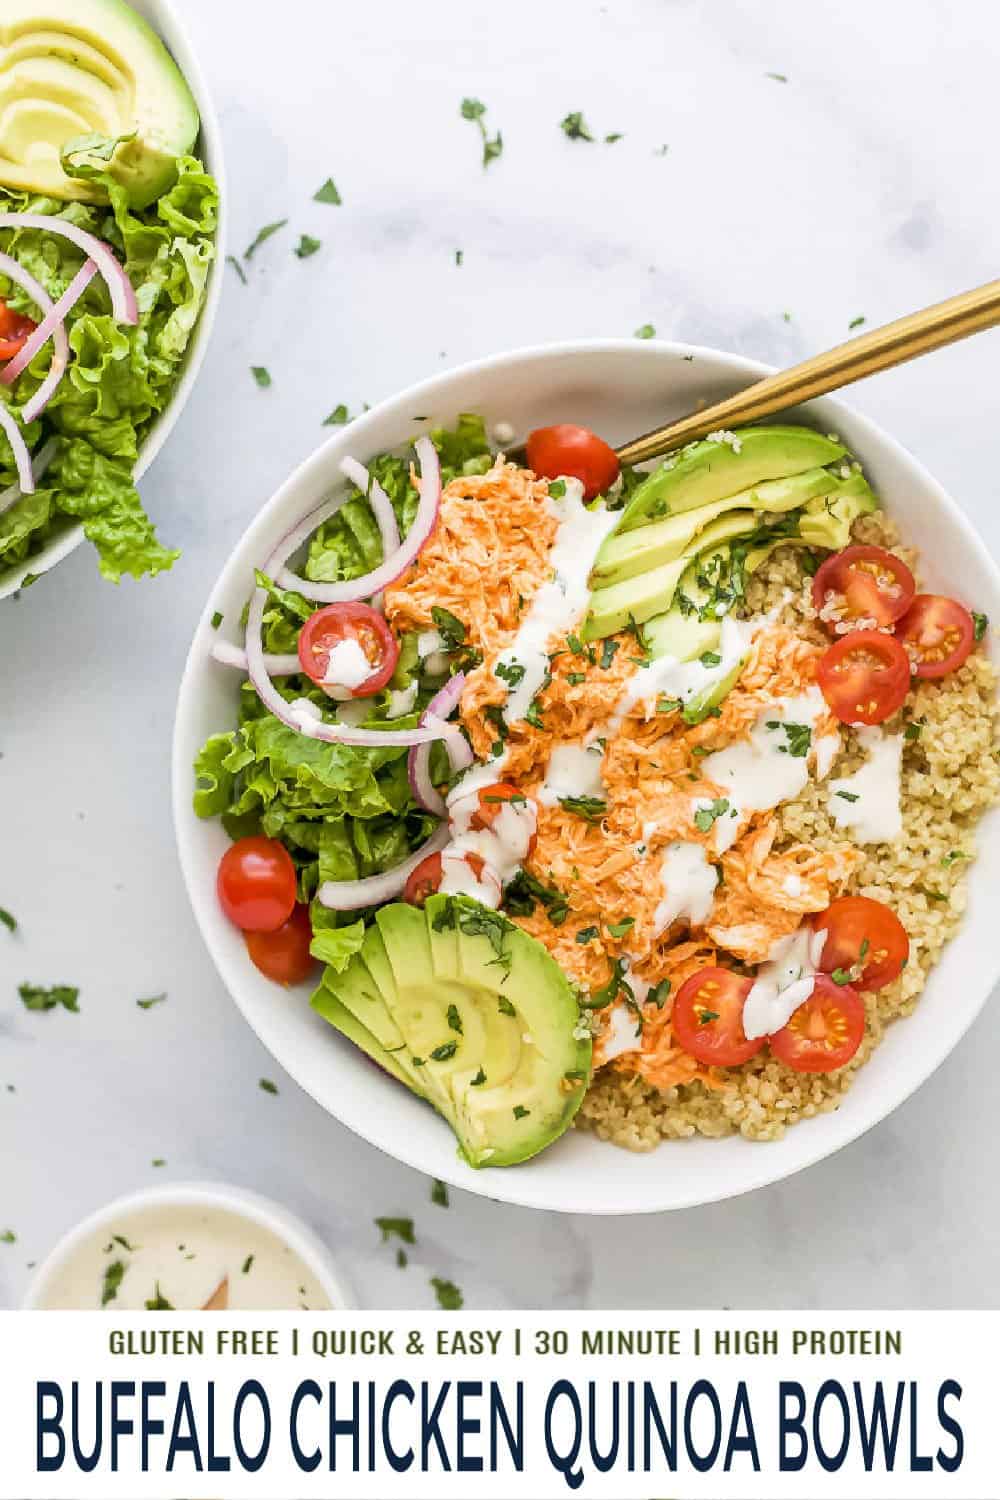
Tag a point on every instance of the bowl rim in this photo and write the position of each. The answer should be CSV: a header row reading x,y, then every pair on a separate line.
x,y
162,16
720,362
266,1212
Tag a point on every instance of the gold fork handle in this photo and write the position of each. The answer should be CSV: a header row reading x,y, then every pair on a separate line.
x,y
894,344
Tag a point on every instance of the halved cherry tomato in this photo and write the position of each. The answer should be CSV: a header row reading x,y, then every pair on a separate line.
x,y
865,934
938,634
707,1018
256,884
864,676
826,1030
335,623
490,799
426,879
576,452
283,955
15,330
872,583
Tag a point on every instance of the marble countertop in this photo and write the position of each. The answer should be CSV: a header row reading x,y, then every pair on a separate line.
x,y
756,212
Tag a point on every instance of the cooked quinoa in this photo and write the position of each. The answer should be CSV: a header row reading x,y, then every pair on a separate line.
x,y
950,776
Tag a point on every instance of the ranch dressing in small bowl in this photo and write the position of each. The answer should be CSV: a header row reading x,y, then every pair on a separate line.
x,y
197,1247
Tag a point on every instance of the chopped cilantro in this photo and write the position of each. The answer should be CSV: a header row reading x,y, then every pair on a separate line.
x,y
479,1079
659,993
557,489
402,1259
157,1302
979,623
912,730
587,935
268,1086
327,193
608,993
695,713
474,109
217,619
778,77
447,1293
525,889
247,1264
520,1112
439,1193
619,929
262,376
36,997
112,1281
510,672
307,246
612,136
588,808
262,235
534,715
862,951
799,737
705,1016
459,256
449,627
339,417
575,678
454,1019
446,1050
608,653
575,126
401,1227
8,1237
705,817
931,895
646,331
8,921
710,658
841,976
158,1161
237,267
665,705
856,323
152,1000
849,796
505,1007
954,856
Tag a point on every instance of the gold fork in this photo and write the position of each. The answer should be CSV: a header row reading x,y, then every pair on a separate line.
x,y
893,344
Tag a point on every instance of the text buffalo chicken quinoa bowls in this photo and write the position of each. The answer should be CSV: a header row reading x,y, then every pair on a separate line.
x,y
639,801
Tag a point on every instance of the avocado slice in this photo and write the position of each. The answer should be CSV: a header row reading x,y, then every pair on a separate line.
x,y
76,68
639,599
462,981
708,471
627,553
326,1004
827,521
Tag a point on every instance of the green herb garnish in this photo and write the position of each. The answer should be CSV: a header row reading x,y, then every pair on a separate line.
x,y
588,808
849,796
557,489
446,1050
153,1000
268,1086
247,1264
262,376
646,331
339,417
401,1227
705,817
659,993
608,653
308,245
575,126
237,267
799,737
979,624
439,1193
112,1281
447,1293
510,672
454,1019
8,920
474,109
856,323
449,627
36,997
262,235
587,935
619,929
327,193
157,1302
520,1112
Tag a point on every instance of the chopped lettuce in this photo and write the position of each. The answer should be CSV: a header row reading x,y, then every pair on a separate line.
x,y
119,378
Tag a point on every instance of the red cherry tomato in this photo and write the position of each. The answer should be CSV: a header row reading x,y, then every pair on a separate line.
x,y
856,923
938,634
707,1018
826,1030
15,330
256,884
335,623
576,452
864,676
868,583
283,955
426,879
490,799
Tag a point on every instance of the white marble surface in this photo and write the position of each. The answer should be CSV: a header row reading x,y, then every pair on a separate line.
x,y
856,188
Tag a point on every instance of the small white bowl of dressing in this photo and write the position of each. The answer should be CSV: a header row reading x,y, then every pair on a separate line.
x,y
198,1246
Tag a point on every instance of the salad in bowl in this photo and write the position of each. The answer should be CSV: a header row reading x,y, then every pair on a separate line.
x,y
108,227
636,802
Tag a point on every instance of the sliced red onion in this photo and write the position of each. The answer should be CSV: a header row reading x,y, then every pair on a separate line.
x,y
51,326
374,890
234,656
123,303
22,456
391,567
15,272
418,762
43,458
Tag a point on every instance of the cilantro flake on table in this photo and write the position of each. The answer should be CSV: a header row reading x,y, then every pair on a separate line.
x,y
36,997
439,1193
327,193
448,1295
267,1086
217,619
237,266
402,1228
8,1237
475,110
262,375
646,331
856,323
157,1302
574,126
262,236
8,920
778,77
308,245
339,417
247,1264
113,1275
151,1001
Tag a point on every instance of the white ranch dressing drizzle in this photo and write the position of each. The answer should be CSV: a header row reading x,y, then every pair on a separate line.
x,y
347,666
623,1034
760,772
689,882
401,701
670,678
458,878
560,601
784,981
876,816
503,846
188,1252
573,771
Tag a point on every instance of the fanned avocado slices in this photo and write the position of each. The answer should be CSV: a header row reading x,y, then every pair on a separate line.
x,y
473,1015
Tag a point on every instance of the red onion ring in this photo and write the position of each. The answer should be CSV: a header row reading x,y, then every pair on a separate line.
x,y
418,762
123,303
51,325
15,272
22,455
229,655
42,459
391,567
374,890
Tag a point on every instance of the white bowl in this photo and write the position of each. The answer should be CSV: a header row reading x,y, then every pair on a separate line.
x,y
187,1195
619,388
161,16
